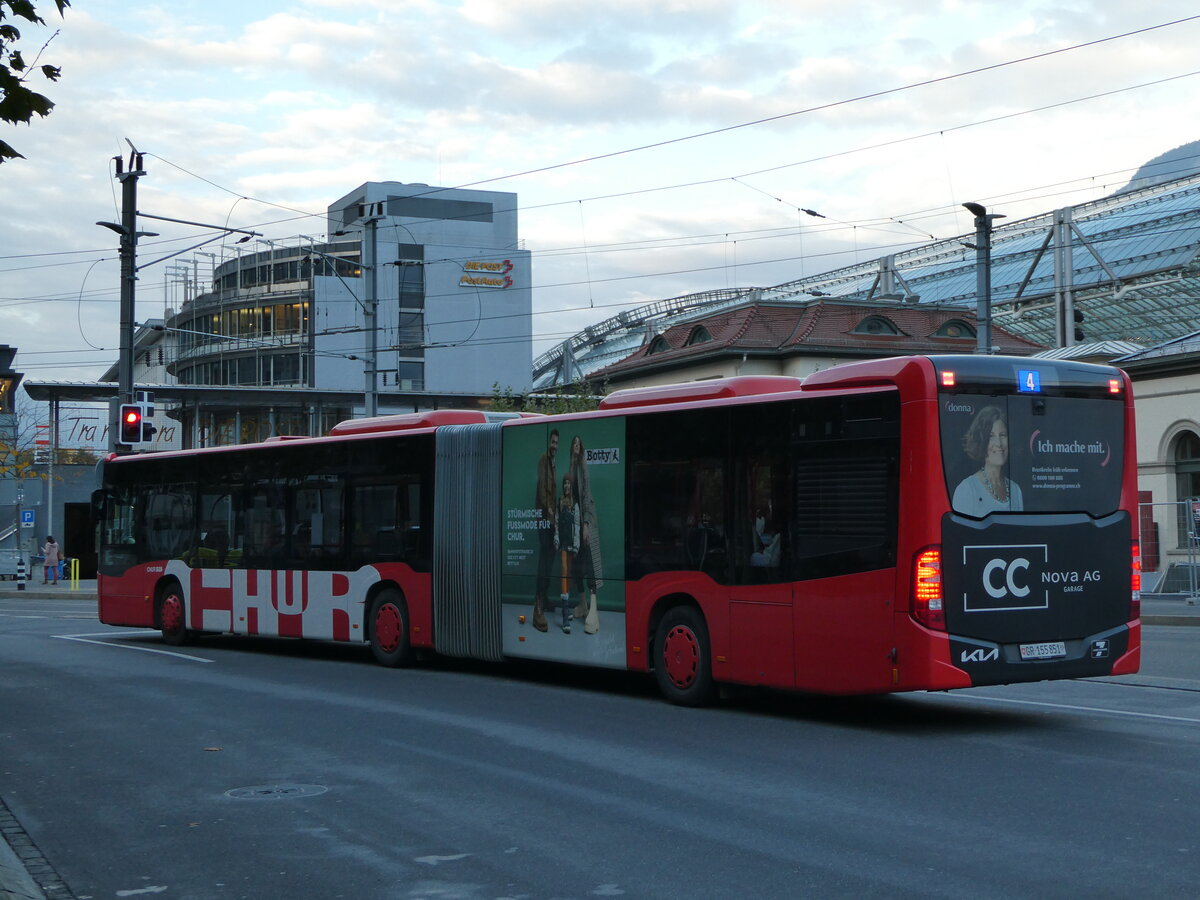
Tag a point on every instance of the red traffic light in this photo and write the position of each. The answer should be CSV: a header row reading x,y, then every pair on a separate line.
x,y
131,423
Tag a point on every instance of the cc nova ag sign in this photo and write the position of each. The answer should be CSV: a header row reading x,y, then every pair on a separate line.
x,y
487,274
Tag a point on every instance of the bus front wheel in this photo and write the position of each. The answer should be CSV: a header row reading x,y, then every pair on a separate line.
x,y
388,623
172,616
683,658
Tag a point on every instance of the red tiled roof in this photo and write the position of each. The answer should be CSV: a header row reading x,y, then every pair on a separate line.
x,y
817,327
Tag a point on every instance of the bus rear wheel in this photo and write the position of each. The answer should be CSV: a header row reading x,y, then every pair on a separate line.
x,y
172,616
683,657
388,624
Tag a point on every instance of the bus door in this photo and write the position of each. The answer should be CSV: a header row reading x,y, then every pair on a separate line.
x,y
123,598
840,545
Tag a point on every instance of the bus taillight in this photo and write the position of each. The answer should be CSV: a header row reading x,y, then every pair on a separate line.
x,y
927,589
1135,594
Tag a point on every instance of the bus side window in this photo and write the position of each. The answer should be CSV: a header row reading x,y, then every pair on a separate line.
x,y
676,489
763,495
264,528
317,519
219,541
374,532
845,456
168,525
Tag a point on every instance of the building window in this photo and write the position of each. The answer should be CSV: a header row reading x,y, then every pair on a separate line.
x,y
955,328
699,335
410,376
877,325
658,345
1186,456
412,285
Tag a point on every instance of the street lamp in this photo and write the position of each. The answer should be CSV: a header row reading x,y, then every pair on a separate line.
x,y
370,214
983,274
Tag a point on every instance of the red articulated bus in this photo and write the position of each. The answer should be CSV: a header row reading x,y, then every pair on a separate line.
x,y
920,523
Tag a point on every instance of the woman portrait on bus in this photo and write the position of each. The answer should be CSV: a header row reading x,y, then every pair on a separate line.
x,y
989,489
587,562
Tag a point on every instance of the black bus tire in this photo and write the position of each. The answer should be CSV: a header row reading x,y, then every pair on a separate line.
x,y
172,615
387,624
683,658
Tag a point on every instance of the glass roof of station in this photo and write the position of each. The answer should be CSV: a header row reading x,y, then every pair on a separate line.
x,y
1135,272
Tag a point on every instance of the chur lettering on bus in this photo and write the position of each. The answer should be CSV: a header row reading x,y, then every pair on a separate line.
x,y
290,603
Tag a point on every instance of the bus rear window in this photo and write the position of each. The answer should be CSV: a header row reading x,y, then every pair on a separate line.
x,y
1020,453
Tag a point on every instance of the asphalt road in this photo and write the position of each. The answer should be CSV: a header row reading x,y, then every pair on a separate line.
x,y
251,768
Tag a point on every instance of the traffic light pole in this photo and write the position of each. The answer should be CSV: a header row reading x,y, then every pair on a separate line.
x,y
128,274
129,233
128,252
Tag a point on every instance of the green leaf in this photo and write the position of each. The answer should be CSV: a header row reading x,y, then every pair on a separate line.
x,y
7,152
25,9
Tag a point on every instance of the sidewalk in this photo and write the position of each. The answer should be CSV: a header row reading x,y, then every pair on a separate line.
x,y
1170,609
15,882
85,589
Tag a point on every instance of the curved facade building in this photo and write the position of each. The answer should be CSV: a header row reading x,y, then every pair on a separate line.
x,y
444,311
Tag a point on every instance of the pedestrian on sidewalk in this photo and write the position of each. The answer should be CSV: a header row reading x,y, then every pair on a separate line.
x,y
50,552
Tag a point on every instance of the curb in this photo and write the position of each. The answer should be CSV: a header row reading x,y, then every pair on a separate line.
x,y
15,882
1171,620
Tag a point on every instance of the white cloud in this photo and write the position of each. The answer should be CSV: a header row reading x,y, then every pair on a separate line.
x,y
297,103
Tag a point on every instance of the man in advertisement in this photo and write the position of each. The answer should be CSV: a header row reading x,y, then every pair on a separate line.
x,y
545,504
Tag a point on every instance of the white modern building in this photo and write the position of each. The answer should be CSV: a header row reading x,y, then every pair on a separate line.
x,y
418,294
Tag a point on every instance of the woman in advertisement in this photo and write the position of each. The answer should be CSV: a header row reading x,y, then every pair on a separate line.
x,y
587,563
989,489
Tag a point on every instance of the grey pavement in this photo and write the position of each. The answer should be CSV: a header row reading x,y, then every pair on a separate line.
x,y
17,884
84,589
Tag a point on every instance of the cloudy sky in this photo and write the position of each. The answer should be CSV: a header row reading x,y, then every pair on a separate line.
x,y
657,148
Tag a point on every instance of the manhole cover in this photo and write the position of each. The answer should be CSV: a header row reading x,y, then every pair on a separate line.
x,y
276,791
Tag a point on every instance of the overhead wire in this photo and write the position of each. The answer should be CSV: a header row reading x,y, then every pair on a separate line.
x,y
781,232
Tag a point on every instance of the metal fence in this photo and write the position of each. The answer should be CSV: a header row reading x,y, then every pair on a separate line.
x,y
1170,542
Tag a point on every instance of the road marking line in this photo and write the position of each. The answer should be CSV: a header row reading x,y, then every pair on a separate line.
x,y
86,639
1096,709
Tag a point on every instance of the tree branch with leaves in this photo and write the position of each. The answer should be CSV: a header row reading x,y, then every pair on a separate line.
x,y
19,102
582,396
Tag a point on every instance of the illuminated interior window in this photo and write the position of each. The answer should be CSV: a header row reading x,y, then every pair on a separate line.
x,y
955,328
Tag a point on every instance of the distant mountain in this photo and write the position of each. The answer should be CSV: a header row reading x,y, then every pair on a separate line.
x,y
1177,163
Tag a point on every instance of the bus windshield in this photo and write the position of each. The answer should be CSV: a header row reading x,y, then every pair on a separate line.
x,y
1018,452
